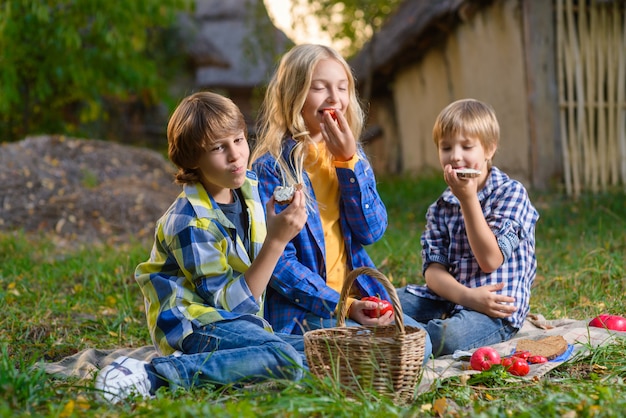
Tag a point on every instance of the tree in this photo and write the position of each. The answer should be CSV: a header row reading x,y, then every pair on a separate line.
x,y
349,23
61,60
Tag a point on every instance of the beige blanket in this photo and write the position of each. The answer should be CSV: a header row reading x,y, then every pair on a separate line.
x,y
87,362
576,333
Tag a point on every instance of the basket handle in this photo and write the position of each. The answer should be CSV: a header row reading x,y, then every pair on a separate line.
x,y
342,307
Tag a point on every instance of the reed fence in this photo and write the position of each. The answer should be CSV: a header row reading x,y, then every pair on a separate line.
x,y
591,63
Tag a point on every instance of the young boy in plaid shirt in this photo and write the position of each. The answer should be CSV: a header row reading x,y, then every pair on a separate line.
x,y
214,252
478,248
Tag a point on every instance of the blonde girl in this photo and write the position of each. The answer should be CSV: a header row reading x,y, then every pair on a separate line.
x,y
309,127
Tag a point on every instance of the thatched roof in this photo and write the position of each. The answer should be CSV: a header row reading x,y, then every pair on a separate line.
x,y
233,44
408,34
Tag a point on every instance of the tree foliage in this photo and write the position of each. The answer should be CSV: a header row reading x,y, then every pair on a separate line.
x,y
60,60
349,23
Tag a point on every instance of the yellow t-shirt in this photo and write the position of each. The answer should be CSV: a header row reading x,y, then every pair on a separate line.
x,y
326,188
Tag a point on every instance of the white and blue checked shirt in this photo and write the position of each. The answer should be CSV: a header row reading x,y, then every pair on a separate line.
x,y
512,218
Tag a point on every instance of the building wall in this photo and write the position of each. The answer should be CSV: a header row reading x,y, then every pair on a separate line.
x,y
482,59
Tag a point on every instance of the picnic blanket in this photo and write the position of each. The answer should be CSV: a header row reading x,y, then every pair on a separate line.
x,y
579,336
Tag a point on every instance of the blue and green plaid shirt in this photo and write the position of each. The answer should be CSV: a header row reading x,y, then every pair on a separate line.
x,y
299,282
194,275
512,218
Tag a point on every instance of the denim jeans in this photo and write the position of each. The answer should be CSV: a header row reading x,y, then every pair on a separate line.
x,y
234,351
460,330
315,322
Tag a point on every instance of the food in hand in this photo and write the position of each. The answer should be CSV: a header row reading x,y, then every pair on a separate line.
x,y
612,322
483,358
284,194
333,112
383,307
467,173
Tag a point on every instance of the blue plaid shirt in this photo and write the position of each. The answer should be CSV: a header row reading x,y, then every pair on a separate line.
x,y
512,218
299,282
195,274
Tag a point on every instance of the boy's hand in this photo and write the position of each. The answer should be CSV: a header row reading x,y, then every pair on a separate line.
x,y
462,188
283,227
356,314
484,299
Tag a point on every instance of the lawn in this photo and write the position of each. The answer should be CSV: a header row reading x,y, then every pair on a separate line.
x,y
57,302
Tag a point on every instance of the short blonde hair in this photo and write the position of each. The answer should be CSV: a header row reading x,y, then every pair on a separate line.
x,y
468,117
197,122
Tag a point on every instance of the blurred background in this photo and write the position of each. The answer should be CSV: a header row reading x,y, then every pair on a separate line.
x,y
554,70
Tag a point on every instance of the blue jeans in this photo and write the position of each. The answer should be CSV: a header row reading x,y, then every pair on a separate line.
x,y
234,351
460,330
314,322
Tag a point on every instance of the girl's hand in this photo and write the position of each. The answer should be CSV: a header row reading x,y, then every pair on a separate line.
x,y
338,136
356,314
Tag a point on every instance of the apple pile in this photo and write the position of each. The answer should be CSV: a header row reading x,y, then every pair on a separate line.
x,y
518,364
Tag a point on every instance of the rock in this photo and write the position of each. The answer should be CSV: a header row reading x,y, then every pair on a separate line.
x,y
82,189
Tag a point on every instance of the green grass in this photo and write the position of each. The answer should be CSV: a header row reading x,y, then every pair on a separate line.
x,y
58,300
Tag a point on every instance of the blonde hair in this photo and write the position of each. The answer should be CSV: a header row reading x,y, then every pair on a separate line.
x,y
471,118
197,122
280,114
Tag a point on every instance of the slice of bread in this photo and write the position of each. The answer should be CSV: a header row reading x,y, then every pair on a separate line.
x,y
284,194
467,173
549,347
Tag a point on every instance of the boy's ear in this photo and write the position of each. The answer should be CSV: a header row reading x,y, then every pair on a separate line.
x,y
490,152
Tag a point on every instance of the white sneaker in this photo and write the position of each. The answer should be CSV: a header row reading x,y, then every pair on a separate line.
x,y
123,378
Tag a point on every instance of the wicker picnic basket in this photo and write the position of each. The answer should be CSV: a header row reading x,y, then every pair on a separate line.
x,y
362,360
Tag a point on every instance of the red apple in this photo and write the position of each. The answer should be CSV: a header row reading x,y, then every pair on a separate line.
x,y
483,358
598,321
612,322
616,323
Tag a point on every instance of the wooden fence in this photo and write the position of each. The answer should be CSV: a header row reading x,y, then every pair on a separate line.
x,y
591,48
